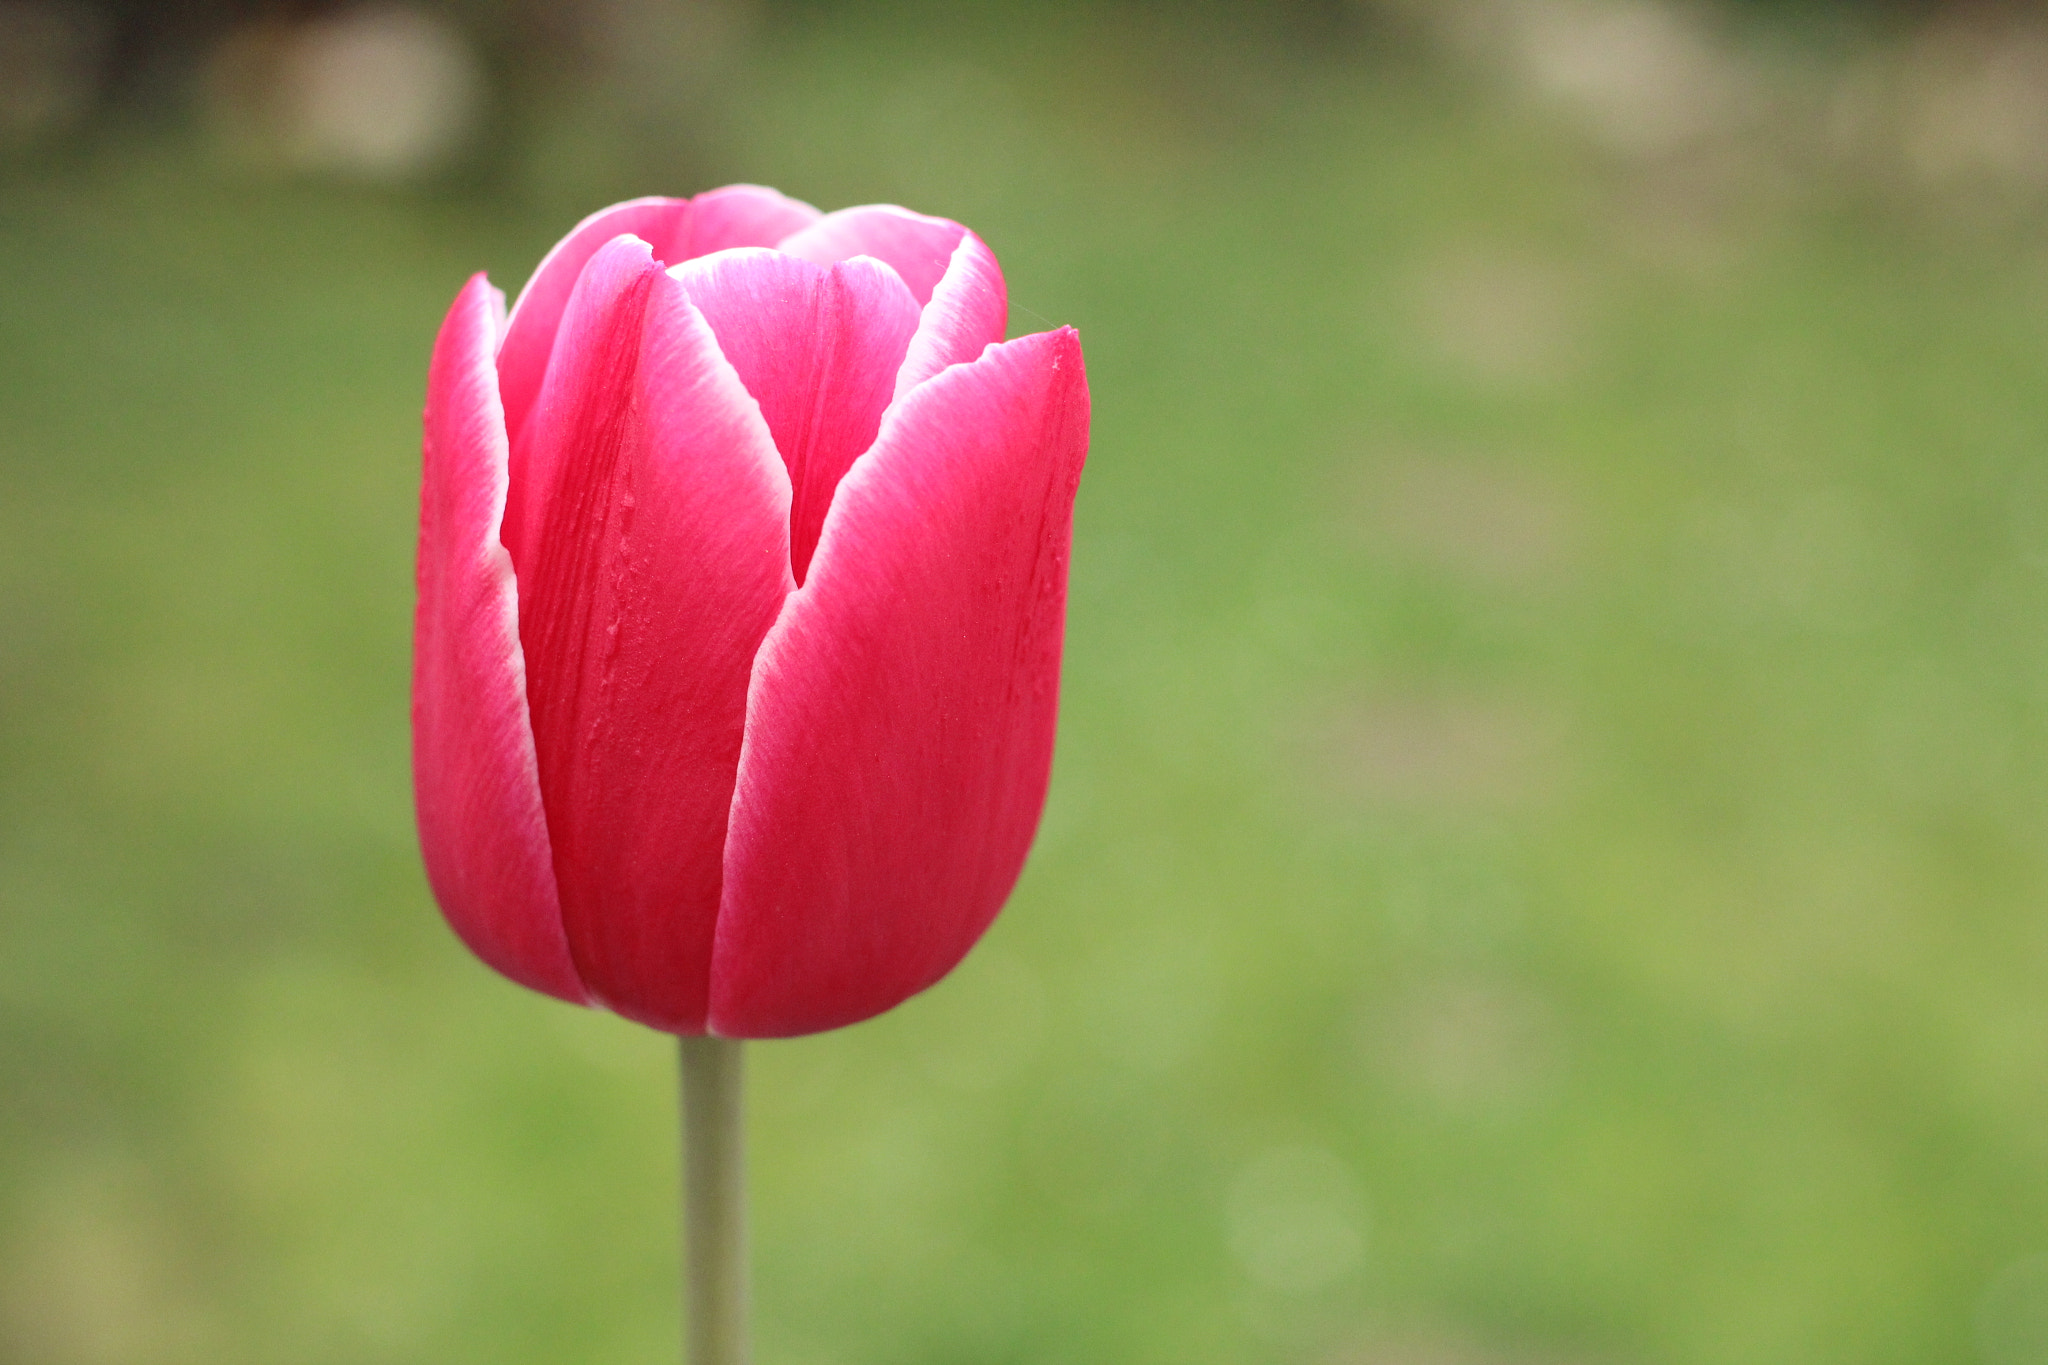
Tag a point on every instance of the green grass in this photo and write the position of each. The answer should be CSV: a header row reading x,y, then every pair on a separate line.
x,y
1550,834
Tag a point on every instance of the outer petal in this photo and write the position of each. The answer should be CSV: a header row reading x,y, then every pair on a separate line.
x,y
654,560
916,246
474,778
900,720
819,348
968,311
676,229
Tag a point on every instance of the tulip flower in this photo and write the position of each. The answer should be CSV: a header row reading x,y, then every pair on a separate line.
x,y
742,580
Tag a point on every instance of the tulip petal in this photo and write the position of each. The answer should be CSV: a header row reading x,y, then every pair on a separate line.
x,y
653,560
967,313
737,215
916,246
676,229
819,348
900,719
530,338
482,828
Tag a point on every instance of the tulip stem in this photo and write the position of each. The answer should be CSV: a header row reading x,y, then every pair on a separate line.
x,y
714,1202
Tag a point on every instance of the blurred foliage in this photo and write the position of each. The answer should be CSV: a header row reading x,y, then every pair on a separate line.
x,y
1546,858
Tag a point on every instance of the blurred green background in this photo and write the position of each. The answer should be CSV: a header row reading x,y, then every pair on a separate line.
x,y
1549,842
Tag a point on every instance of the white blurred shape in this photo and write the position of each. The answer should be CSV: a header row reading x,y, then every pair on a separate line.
x,y
1644,78
1294,1220
49,66
380,92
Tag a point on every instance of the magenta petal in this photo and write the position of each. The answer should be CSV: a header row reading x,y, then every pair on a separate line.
x,y
819,349
916,246
530,339
738,215
900,720
656,560
676,229
967,313
482,830
596,340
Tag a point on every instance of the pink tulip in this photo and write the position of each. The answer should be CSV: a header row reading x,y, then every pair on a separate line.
x,y
742,578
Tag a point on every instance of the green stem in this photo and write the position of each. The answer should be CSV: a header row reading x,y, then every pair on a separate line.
x,y
714,1202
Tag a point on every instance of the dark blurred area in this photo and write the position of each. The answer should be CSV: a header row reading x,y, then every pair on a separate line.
x,y
461,89
469,94
1547,861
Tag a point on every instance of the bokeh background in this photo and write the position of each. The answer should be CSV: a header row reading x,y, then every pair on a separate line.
x,y
1548,856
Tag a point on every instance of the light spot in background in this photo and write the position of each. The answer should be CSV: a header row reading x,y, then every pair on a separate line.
x,y
1953,105
49,67
1643,79
1499,523
1437,1347
379,92
2012,1315
1505,317
1467,1043
1296,1221
1446,750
